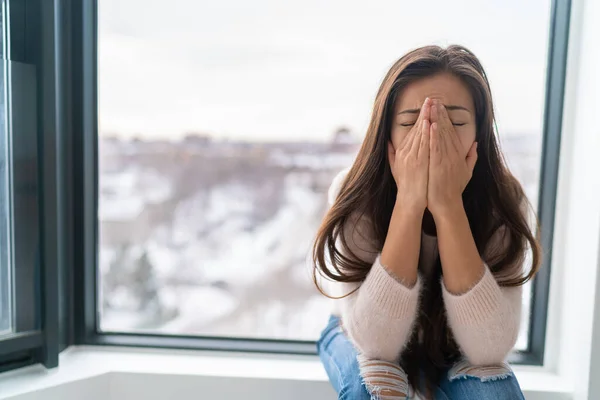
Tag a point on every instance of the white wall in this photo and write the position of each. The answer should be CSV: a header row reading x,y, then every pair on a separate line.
x,y
127,385
94,388
575,281
159,387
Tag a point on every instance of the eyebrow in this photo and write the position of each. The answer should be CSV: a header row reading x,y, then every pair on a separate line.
x,y
449,108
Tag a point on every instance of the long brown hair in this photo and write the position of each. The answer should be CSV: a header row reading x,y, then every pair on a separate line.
x,y
493,199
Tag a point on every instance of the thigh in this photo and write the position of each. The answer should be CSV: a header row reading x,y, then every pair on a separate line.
x,y
482,383
339,357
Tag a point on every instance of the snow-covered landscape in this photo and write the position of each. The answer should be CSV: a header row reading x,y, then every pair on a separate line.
x,y
208,237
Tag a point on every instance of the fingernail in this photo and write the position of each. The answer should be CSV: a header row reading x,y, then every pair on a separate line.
x,y
434,108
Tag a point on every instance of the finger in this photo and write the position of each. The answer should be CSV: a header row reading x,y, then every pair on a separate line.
x,y
450,131
443,114
441,139
434,144
414,132
424,120
416,143
411,137
425,110
445,129
425,139
472,157
445,133
441,127
434,113
424,114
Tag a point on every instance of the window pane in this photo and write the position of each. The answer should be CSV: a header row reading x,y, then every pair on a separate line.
x,y
6,321
222,125
22,188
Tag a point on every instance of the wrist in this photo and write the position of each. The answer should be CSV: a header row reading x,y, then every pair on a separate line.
x,y
409,211
448,212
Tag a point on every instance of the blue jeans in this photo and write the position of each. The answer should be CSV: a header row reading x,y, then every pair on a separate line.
x,y
339,358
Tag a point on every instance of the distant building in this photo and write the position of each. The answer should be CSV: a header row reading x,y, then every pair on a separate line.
x,y
197,139
110,138
344,140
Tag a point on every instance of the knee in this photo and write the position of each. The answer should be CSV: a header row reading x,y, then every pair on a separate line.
x,y
383,380
464,369
482,382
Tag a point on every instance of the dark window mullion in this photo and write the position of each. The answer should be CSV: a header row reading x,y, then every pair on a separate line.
x,y
85,178
20,341
18,360
39,148
23,347
553,112
51,150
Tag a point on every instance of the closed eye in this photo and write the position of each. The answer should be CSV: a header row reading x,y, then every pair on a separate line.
x,y
414,123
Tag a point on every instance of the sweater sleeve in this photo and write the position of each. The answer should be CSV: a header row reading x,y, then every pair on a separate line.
x,y
486,319
379,315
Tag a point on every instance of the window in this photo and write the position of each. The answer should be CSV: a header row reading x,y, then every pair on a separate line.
x,y
163,170
29,234
221,126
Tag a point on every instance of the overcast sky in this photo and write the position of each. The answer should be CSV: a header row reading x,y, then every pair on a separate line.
x,y
293,70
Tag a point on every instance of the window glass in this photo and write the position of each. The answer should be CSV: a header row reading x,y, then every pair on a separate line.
x,y
222,124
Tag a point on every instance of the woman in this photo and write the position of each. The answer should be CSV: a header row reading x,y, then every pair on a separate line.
x,y
424,244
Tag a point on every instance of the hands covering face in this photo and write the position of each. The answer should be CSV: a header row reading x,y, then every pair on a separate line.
x,y
428,166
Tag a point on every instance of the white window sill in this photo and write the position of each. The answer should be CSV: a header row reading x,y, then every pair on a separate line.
x,y
119,373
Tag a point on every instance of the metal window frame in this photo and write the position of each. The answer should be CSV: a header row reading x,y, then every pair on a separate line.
x,y
39,41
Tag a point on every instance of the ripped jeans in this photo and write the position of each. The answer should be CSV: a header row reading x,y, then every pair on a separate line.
x,y
463,381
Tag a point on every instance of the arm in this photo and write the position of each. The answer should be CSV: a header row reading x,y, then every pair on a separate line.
x,y
461,263
483,316
400,252
378,317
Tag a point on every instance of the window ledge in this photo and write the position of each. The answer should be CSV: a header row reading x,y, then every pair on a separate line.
x,y
118,373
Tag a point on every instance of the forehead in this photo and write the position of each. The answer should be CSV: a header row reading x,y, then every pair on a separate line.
x,y
445,87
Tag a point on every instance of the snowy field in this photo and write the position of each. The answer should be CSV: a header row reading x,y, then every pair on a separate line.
x,y
213,239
